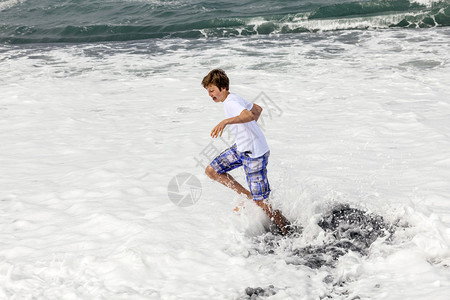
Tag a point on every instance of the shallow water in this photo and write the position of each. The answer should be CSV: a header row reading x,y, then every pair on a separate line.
x,y
92,135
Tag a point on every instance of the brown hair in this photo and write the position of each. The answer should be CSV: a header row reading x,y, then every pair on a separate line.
x,y
218,78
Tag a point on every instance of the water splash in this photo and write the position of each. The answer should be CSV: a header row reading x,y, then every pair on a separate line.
x,y
349,229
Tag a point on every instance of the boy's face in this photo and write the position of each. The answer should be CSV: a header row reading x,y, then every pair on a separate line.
x,y
216,94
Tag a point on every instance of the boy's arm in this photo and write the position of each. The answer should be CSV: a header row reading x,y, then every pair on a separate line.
x,y
244,117
256,111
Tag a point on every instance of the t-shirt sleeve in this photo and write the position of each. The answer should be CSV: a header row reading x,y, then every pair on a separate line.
x,y
248,105
233,109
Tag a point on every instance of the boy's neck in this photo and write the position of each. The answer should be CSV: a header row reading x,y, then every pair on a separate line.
x,y
225,95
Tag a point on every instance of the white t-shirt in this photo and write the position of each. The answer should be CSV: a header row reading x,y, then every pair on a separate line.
x,y
249,136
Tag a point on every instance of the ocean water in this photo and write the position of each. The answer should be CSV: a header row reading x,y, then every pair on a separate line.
x,y
104,130
120,20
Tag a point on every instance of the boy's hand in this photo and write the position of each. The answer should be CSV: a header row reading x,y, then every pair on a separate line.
x,y
217,131
244,117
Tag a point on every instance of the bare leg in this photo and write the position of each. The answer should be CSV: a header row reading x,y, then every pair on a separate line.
x,y
275,215
228,180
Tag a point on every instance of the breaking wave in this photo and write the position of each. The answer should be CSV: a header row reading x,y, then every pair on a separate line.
x,y
119,20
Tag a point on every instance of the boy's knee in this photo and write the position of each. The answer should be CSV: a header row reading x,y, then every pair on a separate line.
x,y
210,172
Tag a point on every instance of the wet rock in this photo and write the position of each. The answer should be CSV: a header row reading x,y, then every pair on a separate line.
x,y
351,229
354,225
256,293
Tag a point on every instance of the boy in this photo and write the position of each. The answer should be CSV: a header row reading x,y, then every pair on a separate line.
x,y
250,149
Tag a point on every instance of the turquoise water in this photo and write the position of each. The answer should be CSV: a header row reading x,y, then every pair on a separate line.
x,y
51,21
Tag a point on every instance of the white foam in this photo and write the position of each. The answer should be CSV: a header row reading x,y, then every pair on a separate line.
x,y
427,3
90,143
9,3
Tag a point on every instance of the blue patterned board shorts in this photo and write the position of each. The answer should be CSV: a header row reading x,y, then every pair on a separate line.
x,y
255,170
